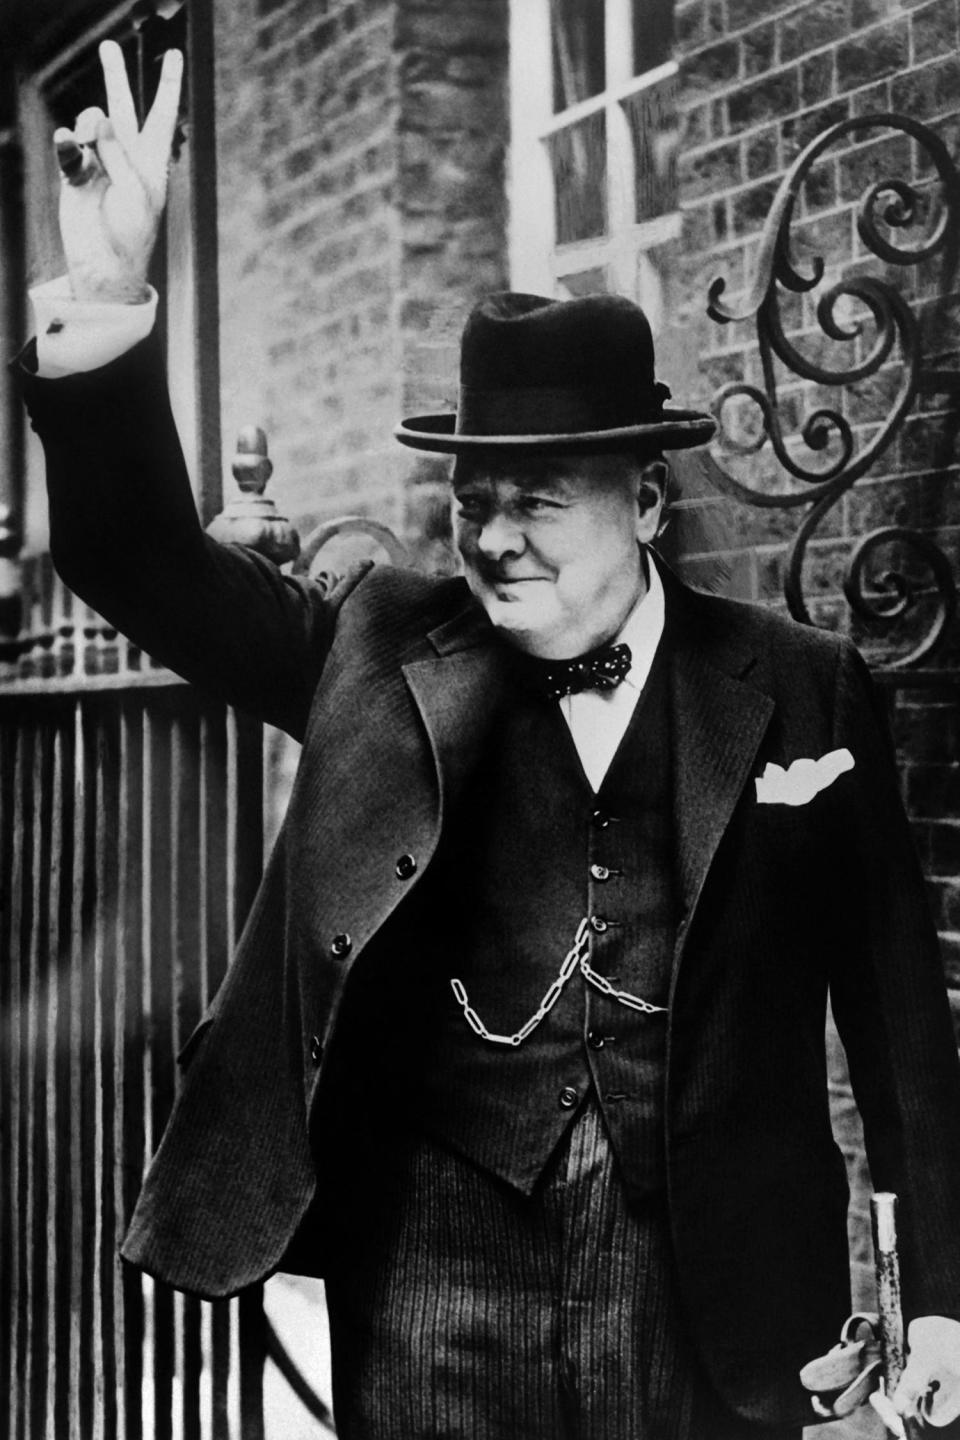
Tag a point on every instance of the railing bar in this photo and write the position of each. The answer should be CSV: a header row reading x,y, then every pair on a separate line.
x,y
130,1114
28,1021
85,1091
192,1370
26,1026
94,987
76,1418
38,1189
147,1284
220,1342
186,889
66,1195
55,940
235,1410
160,1089
245,792
110,1044
7,1134
18,1298
252,1352
216,867
56,685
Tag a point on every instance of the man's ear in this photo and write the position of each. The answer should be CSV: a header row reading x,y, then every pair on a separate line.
x,y
651,491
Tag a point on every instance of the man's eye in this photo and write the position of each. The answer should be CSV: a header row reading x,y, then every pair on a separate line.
x,y
469,509
534,504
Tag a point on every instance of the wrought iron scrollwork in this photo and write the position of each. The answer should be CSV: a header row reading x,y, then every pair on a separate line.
x,y
830,462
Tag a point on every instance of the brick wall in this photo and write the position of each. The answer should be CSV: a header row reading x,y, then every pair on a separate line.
x,y
308,163
758,79
361,197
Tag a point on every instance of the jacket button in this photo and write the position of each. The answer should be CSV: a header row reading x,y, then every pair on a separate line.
x,y
598,925
595,1039
599,872
568,1097
316,1049
405,867
340,946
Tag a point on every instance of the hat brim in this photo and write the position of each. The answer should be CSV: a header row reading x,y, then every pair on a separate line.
x,y
678,430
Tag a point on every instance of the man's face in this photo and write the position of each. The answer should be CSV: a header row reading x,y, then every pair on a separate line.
x,y
551,544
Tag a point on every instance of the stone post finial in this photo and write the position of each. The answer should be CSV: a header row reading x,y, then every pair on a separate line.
x,y
251,518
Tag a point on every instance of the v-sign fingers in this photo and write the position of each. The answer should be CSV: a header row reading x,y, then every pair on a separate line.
x,y
156,138
120,105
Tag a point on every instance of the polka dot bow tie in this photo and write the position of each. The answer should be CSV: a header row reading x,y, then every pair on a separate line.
x,y
601,669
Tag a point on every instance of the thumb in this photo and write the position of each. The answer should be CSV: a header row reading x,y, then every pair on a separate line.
x,y
913,1385
78,163
114,158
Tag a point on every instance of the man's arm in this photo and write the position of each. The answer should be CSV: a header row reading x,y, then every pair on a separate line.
x,y
124,530
889,1000
125,535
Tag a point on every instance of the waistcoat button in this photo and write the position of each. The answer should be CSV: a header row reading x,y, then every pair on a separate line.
x,y
316,1049
568,1097
405,867
340,946
598,925
600,819
599,872
595,1040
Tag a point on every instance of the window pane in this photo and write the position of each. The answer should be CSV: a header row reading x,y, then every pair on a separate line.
x,y
584,282
578,65
578,156
652,33
652,116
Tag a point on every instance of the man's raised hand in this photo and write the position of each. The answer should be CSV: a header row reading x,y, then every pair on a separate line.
x,y
115,183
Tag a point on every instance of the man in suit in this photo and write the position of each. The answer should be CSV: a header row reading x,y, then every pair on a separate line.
x,y
523,1046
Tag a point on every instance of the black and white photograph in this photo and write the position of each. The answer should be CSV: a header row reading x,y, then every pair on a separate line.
x,y
479,730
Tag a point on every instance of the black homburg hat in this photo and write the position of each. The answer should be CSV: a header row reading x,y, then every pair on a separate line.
x,y
554,375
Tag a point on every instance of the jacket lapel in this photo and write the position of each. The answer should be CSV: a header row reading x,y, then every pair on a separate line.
x,y
458,690
719,722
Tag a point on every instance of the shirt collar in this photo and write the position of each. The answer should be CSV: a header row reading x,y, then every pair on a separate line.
x,y
643,628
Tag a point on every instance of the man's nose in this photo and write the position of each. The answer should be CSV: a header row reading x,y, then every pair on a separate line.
x,y
499,535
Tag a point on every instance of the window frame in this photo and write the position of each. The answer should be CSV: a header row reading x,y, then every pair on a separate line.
x,y
537,262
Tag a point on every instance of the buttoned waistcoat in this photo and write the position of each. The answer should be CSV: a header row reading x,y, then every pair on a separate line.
x,y
391,684
528,852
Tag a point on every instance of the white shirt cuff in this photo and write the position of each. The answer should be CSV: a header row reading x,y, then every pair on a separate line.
x,y
75,335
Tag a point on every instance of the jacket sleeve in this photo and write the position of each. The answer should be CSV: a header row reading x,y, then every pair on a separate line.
x,y
890,1003
125,536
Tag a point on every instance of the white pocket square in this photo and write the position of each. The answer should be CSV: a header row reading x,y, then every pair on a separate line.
x,y
798,784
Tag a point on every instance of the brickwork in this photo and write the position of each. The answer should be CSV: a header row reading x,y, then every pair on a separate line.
x,y
361,147
307,107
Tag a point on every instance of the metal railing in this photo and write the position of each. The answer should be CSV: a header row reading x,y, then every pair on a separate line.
x,y
130,848
859,326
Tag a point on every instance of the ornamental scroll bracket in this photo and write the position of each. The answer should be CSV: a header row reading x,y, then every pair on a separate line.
x,y
826,456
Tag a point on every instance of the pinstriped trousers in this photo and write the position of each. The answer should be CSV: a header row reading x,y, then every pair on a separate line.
x,y
466,1311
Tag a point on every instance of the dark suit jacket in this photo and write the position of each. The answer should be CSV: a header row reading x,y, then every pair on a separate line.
x,y
389,684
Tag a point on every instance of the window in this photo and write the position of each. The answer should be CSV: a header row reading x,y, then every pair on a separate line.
x,y
594,142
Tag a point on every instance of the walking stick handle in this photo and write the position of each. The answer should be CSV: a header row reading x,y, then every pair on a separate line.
x,y
883,1215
